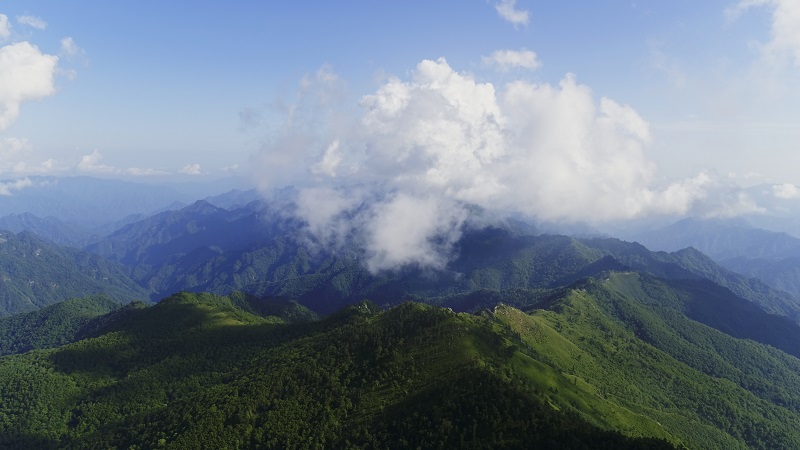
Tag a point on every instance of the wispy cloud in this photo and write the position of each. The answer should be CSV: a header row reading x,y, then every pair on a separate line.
x,y
5,27
32,21
505,60
667,66
784,43
70,49
508,11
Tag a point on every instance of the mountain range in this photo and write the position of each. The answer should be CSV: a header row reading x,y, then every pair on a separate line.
x,y
222,323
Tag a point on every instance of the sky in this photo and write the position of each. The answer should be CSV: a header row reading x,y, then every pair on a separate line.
x,y
562,111
199,86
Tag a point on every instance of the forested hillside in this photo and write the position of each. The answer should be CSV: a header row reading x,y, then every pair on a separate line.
x,y
197,371
596,365
36,273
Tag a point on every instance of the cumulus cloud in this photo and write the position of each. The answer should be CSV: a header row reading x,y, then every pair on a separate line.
x,y
192,169
32,21
505,60
425,151
785,28
507,9
91,163
25,74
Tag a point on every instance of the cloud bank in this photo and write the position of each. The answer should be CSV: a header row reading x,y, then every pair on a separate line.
x,y
428,155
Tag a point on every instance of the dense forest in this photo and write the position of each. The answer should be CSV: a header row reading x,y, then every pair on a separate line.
x,y
592,366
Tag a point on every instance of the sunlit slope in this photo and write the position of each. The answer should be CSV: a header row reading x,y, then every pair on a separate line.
x,y
198,371
640,352
53,325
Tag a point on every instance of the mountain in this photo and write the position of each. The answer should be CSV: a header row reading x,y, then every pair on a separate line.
x,y
626,335
35,273
256,249
165,237
722,239
234,199
53,325
609,362
48,228
772,257
90,203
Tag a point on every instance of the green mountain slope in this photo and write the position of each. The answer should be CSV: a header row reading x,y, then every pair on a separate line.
x,y
638,349
53,325
609,362
35,273
692,264
767,255
196,371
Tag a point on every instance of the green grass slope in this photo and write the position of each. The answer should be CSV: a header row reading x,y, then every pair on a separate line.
x,y
639,351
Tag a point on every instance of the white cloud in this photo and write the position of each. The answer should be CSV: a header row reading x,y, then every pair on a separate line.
x,y
7,188
5,27
786,191
91,163
17,156
48,166
330,161
508,11
285,156
330,214
785,28
427,149
11,148
409,229
25,74
505,60
32,21
69,48
192,169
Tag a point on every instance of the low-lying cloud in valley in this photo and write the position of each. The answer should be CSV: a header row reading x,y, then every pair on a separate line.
x,y
402,178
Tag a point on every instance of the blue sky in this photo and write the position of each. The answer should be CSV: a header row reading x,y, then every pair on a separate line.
x,y
145,89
